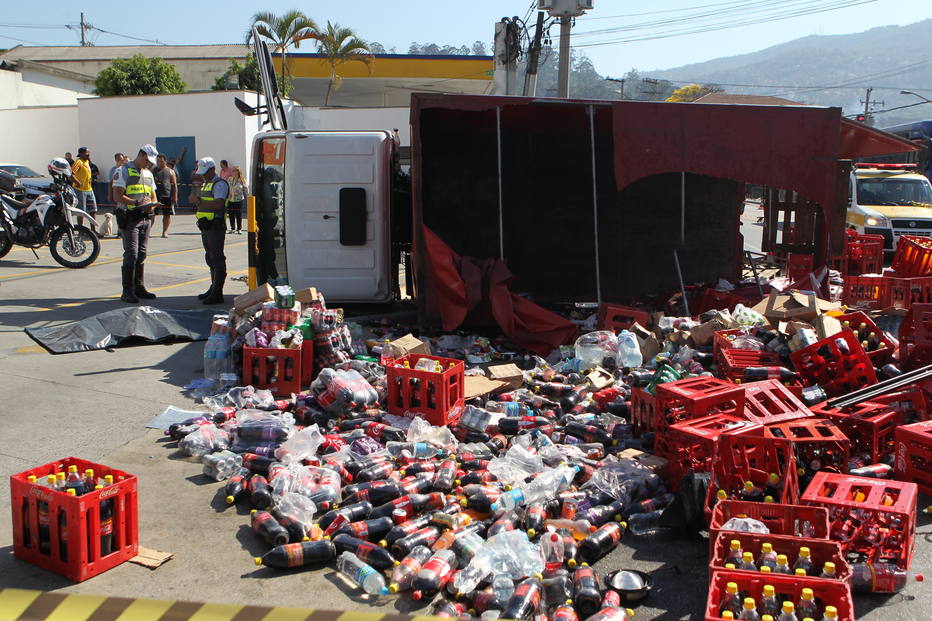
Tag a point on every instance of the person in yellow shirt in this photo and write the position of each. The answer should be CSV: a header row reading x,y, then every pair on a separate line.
x,y
81,172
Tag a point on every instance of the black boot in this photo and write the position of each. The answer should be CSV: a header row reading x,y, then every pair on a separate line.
x,y
216,295
128,295
206,294
139,288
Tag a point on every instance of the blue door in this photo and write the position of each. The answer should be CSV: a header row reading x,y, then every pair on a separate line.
x,y
183,146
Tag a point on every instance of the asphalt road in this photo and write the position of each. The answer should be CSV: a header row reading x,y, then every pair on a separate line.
x,y
95,405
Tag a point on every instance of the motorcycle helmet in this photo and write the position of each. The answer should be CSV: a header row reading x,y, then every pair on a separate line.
x,y
59,167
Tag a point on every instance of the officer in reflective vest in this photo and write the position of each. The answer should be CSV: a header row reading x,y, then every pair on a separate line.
x,y
209,205
134,187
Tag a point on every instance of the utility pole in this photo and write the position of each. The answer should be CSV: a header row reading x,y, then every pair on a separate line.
x,y
566,10
868,117
530,78
621,86
84,26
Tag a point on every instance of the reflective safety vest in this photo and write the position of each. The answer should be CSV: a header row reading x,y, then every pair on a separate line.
x,y
134,188
207,193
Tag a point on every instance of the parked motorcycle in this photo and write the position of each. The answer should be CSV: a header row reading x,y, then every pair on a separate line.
x,y
48,220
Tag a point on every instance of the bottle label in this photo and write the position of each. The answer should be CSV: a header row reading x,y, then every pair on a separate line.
x,y
295,554
106,526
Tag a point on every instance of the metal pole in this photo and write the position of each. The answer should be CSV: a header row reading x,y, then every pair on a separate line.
x,y
501,228
683,207
595,207
679,274
530,78
563,77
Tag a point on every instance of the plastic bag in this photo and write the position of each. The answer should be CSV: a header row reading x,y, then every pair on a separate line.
x,y
516,465
297,507
206,439
256,338
746,525
510,553
422,431
594,347
340,391
300,446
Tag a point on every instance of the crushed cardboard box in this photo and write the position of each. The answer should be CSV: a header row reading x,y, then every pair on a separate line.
x,y
153,559
657,465
510,374
478,385
259,295
410,344
600,378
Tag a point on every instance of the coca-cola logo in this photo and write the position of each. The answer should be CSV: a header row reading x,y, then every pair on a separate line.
x,y
107,492
40,494
900,457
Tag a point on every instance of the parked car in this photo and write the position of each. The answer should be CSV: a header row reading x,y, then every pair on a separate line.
x,y
33,183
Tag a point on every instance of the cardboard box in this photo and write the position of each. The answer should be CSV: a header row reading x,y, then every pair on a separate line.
x,y
478,385
826,326
259,295
657,465
600,378
410,344
510,374
794,305
647,341
306,296
705,332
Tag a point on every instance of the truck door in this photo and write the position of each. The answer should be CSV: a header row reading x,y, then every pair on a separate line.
x,y
337,196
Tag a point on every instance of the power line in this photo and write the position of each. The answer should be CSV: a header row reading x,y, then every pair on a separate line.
x,y
793,86
21,40
589,18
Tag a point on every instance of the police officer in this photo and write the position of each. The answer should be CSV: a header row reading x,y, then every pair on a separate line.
x,y
134,187
209,203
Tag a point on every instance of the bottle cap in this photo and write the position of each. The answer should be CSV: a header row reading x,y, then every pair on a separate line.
x,y
768,498
258,560
748,485
800,571
831,612
788,608
89,472
727,614
72,469
730,566
765,569
807,593
829,567
747,557
571,563
723,495
766,547
735,544
731,587
51,479
781,559
70,491
769,591
96,487
774,477
749,603
230,500
804,551
393,588
31,478
108,479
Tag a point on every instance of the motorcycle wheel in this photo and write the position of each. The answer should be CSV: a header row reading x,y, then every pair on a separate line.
x,y
5,245
88,247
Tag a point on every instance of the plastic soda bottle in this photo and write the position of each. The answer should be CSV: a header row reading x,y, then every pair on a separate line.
x,y
783,566
747,562
734,552
266,526
601,542
828,571
302,554
749,610
768,603
731,601
831,614
434,574
788,612
362,575
586,593
804,561
807,605
74,480
767,558
404,573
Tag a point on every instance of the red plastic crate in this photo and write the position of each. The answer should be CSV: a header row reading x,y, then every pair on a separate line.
x,y
735,361
838,373
695,397
791,520
741,458
769,401
80,539
712,299
916,337
798,265
822,550
817,441
888,504
886,346
617,318
869,426
904,292
827,592
865,253
865,292
913,455
913,256
839,264
723,339
643,410
438,397
277,370
307,362
690,444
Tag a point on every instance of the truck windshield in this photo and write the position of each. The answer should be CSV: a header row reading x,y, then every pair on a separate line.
x,y
268,187
894,191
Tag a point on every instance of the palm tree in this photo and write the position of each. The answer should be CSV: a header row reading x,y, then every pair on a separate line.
x,y
341,45
285,30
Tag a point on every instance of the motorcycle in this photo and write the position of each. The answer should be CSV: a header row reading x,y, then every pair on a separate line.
x,y
49,219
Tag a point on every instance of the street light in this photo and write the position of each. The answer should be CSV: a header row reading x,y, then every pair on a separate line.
x,y
917,95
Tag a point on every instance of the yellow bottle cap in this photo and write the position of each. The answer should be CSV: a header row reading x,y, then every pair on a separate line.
x,y
51,479
31,478
230,500
393,588
766,547
769,591
766,618
730,566
788,608
258,560
768,498
71,492
804,551
781,559
735,544
807,594
749,603
831,612
829,567
727,614
748,485
89,472
72,468
723,495
108,478
765,569
800,571
774,477
731,587
60,476
747,557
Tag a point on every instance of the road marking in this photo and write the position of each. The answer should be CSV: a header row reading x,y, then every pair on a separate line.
x,y
190,267
14,601
30,349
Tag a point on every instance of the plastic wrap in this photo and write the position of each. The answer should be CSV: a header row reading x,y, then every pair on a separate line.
x,y
340,391
205,439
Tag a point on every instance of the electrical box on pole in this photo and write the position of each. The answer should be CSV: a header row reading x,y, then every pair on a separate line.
x,y
565,10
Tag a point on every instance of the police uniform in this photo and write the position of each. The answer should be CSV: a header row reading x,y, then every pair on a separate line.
x,y
211,222
139,186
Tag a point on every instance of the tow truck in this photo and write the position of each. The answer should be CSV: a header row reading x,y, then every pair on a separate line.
x,y
889,200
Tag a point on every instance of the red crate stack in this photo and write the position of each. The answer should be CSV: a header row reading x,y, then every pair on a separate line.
x,y
437,396
822,550
869,426
735,361
865,292
643,411
885,345
904,292
817,441
913,455
838,364
780,519
916,336
838,263
769,401
798,265
861,510
274,369
865,253
617,318
690,444
76,526
724,339
911,403
913,256
741,458
695,397
827,592
712,299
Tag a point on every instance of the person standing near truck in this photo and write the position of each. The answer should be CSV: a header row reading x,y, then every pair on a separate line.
x,y
209,206
134,186
166,188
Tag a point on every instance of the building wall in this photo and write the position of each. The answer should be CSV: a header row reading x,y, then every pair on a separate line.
x,y
33,136
16,92
198,73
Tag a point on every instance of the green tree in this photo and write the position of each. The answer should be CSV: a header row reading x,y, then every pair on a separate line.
x,y
692,92
247,75
341,45
285,31
138,76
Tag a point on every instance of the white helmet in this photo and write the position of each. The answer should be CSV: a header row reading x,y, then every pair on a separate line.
x,y
59,167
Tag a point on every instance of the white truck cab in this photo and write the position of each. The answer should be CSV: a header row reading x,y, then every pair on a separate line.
x,y
890,200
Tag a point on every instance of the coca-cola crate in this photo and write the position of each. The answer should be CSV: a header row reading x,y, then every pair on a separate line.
x,y
865,292
915,336
827,592
858,507
724,339
904,292
643,410
780,519
307,362
817,441
838,364
913,256
712,299
738,459
838,263
821,550
617,318
865,253
690,444
694,397
70,535
274,369
869,426
798,265
735,361
770,401
885,345
437,396
913,455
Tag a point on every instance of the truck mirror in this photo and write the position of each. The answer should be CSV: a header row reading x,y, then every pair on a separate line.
x,y
353,216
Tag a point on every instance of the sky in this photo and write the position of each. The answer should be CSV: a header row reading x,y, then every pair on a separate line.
x,y
398,23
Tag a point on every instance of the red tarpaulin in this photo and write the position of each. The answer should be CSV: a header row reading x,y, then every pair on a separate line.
x,y
478,288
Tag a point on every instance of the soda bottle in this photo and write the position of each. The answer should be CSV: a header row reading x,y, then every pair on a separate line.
x,y
89,481
426,536
361,574
613,613
534,518
63,529
877,578
580,529
749,611
300,554
43,516
828,571
782,566
482,501
31,479
774,486
465,546
570,548
258,464
731,600
788,612
831,614
558,588
106,520
644,523
601,542
751,492
404,573
60,482
268,528
235,488
873,471
434,574
353,513
551,547
768,603
404,529
260,494
365,551
525,600
74,481
807,604
377,471
804,561
734,552
449,609
443,479
747,562
372,530
566,612
602,513
586,595
767,558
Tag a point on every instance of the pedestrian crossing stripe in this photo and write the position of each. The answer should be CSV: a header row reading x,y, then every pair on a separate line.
x,y
27,605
